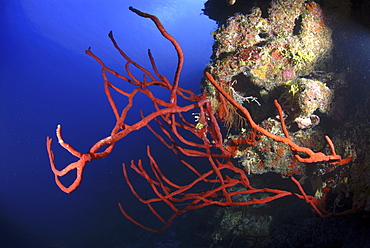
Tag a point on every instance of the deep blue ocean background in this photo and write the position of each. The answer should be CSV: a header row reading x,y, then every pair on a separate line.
x,y
46,80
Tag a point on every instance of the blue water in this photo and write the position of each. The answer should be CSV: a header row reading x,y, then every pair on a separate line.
x,y
46,80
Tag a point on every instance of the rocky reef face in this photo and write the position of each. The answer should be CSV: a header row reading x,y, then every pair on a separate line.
x,y
282,56
258,58
285,52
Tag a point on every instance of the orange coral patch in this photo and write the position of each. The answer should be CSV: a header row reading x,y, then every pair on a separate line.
x,y
277,55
